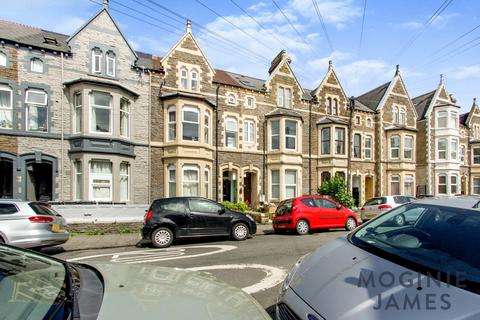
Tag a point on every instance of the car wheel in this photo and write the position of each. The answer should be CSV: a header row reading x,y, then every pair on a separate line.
x,y
399,220
240,231
350,224
162,237
302,227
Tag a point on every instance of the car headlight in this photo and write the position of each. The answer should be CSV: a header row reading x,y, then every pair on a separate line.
x,y
291,273
250,217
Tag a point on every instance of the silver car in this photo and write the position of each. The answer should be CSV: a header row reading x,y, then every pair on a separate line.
x,y
428,268
31,224
35,286
378,205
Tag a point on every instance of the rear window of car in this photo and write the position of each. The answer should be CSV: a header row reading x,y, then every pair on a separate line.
x,y
7,208
400,199
283,207
376,201
42,209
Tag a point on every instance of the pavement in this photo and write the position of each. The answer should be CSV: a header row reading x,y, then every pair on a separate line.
x,y
257,265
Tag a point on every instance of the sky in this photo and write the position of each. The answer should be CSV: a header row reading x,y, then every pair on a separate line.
x,y
245,35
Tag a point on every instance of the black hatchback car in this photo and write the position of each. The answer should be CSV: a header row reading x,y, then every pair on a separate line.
x,y
171,218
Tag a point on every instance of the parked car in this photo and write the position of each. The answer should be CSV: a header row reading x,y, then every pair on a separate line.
x,y
171,218
428,268
35,286
31,224
306,213
378,205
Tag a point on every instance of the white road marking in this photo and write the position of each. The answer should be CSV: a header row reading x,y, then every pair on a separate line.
x,y
154,255
274,275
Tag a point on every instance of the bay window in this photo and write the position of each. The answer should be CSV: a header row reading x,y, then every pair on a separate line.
x,y
36,65
172,123
124,118
77,166
442,184
395,147
96,60
37,113
77,106
194,80
454,119
190,124
290,183
442,149
172,181
357,145
184,78
395,185
290,135
408,148
408,185
339,141
207,182
442,119
100,180
326,141
275,184
190,181
124,181
206,129
476,155
453,149
6,111
476,185
110,60
275,134
454,184
368,147
231,132
101,112
249,131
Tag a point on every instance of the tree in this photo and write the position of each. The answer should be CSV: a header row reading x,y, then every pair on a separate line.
x,y
337,190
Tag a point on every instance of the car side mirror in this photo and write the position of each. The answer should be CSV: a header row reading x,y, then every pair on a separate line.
x,y
221,211
339,206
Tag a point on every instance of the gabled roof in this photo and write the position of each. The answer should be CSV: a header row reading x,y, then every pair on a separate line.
x,y
114,23
276,61
148,61
422,102
193,96
283,112
372,98
34,37
463,118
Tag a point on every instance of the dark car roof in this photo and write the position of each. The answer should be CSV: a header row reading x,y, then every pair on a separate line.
x,y
465,202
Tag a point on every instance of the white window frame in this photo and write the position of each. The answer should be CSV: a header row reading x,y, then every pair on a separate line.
x,y
280,96
337,142
38,105
233,121
442,115
78,180
183,78
287,100
206,178
368,150
172,180
127,114
454,185
247,102
110,58
324,142
77,112
10,107
291,136
36,65
3,59
402,114
92,106
197,182
100,176
392,148
328,105
442,151
170,123
249,132
410,149
454,119
206,128
442,175
369,122
409,180
475,156
359,146
191,109
127,176
295,185
454,149
396,180
231,99
335,107
274,135
194,77
97,68
395,115
275,185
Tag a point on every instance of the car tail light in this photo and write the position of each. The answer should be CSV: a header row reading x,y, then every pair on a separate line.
x,y
363,209
148,215
384,206
40,219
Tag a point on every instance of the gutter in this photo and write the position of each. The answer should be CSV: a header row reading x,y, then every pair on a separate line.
x,y
62,137
349,161
216,143
310,147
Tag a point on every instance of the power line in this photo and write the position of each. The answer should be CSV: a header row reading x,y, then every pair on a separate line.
x,y
324,27
159,12
455,52
426,24
363,25
291,24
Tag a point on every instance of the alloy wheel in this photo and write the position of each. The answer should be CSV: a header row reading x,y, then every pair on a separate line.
x,y
240,231
302,227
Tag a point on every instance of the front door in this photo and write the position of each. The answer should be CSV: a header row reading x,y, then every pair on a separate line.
x,y
206,218
229,189
247,188
39,181
6,178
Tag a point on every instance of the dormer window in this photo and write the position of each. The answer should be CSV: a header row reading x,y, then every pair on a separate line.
x,y
335,107
36,65
194,80
369,122
3,59
231,99
183,78
96,60
284,98
110,60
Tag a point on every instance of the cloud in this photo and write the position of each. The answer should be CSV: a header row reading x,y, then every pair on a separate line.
x,y
411,25
439,22
363,71
338,13
336,57
466,72
143,43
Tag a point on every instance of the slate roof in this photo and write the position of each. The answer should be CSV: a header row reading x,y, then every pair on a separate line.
x,y
171,95
329,120
372,98
283,112
463,118
34,37
361,107
148,61
422,102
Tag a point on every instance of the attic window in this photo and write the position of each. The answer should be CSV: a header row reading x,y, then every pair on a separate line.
x,y
247,83
50,40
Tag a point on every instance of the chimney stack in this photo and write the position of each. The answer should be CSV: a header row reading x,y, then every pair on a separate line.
x,y
452,98
397,71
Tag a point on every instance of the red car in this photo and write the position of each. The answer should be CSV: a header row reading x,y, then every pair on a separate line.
x,y
312,212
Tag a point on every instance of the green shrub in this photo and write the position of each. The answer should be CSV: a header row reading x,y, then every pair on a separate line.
x,y
337,190
237,206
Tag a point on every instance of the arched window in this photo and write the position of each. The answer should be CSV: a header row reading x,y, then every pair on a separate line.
x,y
96,60
401,118
231,132
6,102
194,80
36,65
369,122
328,104
395,115
335,106
3,59
110,60
184,78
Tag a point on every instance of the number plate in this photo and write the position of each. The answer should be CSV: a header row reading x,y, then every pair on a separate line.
x,y
371,215
56,227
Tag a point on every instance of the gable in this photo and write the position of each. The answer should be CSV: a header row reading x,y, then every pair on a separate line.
x,y
330,84
332,79
283,74
399,88
443,94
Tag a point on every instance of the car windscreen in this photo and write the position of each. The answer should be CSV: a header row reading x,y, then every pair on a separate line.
x,y
42,209
431,239
31,286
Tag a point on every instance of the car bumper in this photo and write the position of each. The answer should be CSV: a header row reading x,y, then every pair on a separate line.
x,y
291,307
43,239
253,228
283,224
147,232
